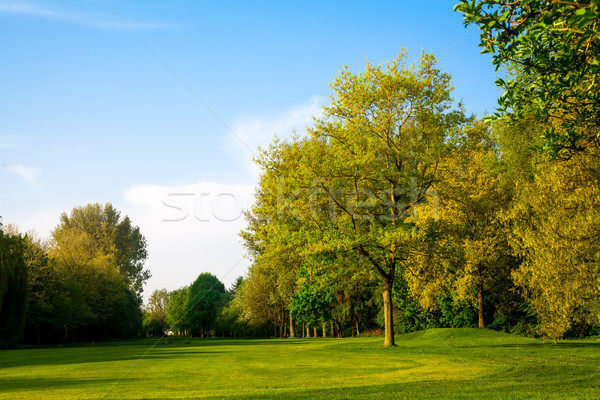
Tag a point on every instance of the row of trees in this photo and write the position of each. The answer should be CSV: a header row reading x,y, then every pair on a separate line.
x,y
203,309
455,221
206,309
84,283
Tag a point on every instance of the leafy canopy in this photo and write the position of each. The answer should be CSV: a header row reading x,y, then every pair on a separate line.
x,y
554,48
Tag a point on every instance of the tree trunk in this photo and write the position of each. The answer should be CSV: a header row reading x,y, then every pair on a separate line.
x,y
357,330
388,311
332,329
303,330
315,331
340,329
292,332
308,331
480,304
324,329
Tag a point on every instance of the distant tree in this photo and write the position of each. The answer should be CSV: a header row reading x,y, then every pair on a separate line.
x,y
262,303
235,286
229,321
206,296
156,309
175,313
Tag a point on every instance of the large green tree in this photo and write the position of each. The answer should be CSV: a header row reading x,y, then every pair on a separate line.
x,y
97,254
368,162
273,244
351,184
101,230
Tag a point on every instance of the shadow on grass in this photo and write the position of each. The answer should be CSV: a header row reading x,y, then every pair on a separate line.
x,y
10,384
176,348
56,357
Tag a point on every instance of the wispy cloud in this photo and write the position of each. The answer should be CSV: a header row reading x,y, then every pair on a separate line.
x,y
11,146
94,20
27,173
252,132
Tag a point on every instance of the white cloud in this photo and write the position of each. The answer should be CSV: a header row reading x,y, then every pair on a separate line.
x,y
252,132
94,20
11,146
27,173
190,229
195,228
27,9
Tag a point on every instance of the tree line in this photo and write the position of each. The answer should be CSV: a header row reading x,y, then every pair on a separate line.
x,y
85,283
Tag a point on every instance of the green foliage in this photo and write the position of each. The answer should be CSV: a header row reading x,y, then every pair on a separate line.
x,y
204,299
228,322
554,47
107,239
202,311
464,251
262,304
175,314
152,327
313,303
13,288
80,284
556,223
156,312
448,312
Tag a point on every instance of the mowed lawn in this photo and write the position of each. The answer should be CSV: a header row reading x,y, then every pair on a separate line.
x,y
432,364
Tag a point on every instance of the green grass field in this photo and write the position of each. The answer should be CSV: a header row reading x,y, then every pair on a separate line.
x,y
433,364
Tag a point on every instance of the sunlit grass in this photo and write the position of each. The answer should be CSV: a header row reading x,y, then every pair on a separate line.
x,y
441,363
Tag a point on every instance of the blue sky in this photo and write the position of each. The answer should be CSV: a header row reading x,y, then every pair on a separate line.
x,y
153,106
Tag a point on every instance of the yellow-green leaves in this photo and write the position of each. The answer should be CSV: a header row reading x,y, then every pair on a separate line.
x,y
351,186
557,227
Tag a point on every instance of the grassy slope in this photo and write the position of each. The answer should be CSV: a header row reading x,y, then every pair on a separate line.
x,y
433,364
